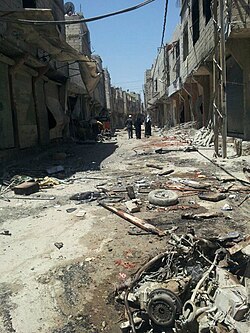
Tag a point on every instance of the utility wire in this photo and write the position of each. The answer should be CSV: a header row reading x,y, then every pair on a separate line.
x,y
83,20
162,38
164,23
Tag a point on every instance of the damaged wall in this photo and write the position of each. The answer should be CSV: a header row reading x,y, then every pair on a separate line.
x,y
58,118
25,109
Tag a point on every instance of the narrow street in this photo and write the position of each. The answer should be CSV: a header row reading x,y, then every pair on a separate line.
x,y
62,259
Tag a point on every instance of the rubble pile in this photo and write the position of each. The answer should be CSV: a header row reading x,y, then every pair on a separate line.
x,y
199,285
204,136
188,131
183,131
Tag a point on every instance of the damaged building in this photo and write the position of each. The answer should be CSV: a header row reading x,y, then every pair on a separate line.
x,y
60,77
186,82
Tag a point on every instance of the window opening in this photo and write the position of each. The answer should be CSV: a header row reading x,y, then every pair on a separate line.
x,y
207,10
29,3
195,21
185,42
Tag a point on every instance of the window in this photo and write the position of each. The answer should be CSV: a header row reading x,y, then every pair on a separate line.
x,y
29,3
195,20
177,49
207,10
185,42
156,85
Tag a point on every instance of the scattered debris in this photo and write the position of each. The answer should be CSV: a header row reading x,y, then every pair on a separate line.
x,y
134,220
132,206
5,233
204,136
26,188
70,210
189,149
212,196
191,288
86,196
154,166
191,183
169,150
32,198
201,216
48,182
81,213
240,246
227,207
131,192
165,173
161,197
59,245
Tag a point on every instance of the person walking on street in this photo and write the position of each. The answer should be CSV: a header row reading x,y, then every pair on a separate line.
x,y
129,125
138,124
148,131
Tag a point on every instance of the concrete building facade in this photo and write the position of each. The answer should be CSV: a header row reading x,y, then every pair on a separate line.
x,y
123,104
33,81
188,68
49,80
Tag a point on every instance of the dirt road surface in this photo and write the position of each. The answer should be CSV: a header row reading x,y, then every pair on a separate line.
x,y
48,289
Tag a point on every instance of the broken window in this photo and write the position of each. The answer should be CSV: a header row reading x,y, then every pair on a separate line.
x,y
29,3
195,20
207,10
185,42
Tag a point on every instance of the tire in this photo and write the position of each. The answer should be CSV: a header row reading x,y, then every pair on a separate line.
x,y
163,197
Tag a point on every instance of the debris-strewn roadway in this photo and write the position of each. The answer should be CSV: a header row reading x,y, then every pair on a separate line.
x,y
63,255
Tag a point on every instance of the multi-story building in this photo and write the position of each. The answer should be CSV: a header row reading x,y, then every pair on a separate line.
x,y
189,66
34,69
123,104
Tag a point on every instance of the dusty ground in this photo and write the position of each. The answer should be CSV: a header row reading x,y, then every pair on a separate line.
x,y
50,290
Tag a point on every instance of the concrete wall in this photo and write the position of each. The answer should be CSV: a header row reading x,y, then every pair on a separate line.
x,y
6,116
189,78
199,51
240,50
26,117
78,35
124,103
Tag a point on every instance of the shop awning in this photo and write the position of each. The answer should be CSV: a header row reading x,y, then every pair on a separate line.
x,y
51,40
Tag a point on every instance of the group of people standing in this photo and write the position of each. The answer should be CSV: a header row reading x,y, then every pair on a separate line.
x,y
137,125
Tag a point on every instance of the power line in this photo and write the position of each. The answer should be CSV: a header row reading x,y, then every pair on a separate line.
x,y
83,20
164,23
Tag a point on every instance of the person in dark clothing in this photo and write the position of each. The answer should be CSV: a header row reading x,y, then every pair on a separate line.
x,y
138,124
129,125
148,126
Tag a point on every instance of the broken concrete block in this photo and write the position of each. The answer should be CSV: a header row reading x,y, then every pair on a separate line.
x,y
26,188
59,245
132,206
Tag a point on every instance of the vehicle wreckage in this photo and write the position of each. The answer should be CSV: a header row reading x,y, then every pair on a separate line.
x,y
199,285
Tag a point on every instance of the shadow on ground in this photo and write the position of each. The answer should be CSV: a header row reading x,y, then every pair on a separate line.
x,y
72,157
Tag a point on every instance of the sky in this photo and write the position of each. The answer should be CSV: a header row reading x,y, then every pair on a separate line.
x,y
128,43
